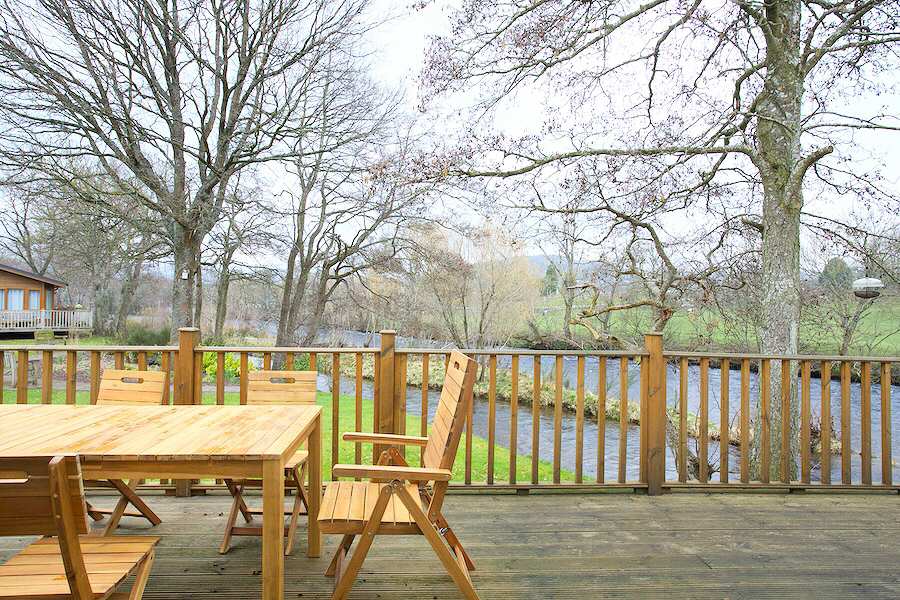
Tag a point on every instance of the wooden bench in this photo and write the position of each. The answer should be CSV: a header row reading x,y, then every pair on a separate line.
x,y
399,499
44,496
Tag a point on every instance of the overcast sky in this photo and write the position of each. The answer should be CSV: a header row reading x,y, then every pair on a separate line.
x,y
398,49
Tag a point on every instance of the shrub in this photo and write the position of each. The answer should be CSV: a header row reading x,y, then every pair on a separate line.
x,y
138,335
232,365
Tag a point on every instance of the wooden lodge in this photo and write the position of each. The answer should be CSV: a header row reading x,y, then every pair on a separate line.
x,y
30,302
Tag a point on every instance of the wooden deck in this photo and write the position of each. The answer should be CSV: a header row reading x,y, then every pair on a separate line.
x,y
562,546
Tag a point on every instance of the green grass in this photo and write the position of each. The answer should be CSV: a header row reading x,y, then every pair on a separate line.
x,y
881,323
346,452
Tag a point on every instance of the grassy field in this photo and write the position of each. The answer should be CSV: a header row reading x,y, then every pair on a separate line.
x,y
346,453
881,324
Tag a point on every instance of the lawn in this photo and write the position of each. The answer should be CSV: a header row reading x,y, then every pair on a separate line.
x,y
880,326
346,452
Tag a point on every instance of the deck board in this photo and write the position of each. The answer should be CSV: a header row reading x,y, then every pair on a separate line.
x,y
569,546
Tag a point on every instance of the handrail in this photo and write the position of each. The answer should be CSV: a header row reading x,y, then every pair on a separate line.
x,y
524,352
62,347
795,357
284,349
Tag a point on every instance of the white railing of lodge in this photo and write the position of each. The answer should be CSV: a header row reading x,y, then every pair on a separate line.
x,y
27,320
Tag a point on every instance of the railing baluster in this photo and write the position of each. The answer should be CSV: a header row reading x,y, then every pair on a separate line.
x,y
220,378
120,360
579,421
423,424
312,362
47,377
805,422
492,416
825,428
358,406
623,417
745,421
724,419
887,466
557,418
535,418
469,426
335,407
786,376
95,377
198,378
703,429
865,405
513,417
601,419
682,419
71,375
243,381
142,361
267,361
765,388
289,361
846,442
164,365
22,378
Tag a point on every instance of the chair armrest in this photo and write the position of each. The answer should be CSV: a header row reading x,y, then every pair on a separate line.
x,y
385,438
390,472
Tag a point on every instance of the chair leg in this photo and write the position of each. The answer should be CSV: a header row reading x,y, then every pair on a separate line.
x,y
93,512
454,542
447,558
343,548
128,495
344,583
297,474
140,580
232,516
236,490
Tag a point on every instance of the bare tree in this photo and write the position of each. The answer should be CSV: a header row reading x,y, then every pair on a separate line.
x,y
481,287
179,96
24,232
744,94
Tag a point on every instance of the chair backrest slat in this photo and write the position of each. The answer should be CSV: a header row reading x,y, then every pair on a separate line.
x,y
281,387
131,387
26,498
450,416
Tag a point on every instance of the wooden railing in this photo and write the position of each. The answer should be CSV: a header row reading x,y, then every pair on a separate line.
x,y
32,320
643,419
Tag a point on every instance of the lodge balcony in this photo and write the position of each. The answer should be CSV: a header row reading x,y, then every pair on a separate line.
x,y
30,321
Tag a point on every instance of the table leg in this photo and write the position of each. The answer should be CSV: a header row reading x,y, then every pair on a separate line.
x,y
273,530
314,543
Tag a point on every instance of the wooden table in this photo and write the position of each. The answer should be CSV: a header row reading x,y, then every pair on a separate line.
x,y
189,442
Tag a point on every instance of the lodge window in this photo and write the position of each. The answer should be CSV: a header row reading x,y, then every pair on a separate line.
x,y
15,300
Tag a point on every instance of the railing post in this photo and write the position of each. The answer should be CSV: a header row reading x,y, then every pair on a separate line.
x,y
188,340
655,413
384,417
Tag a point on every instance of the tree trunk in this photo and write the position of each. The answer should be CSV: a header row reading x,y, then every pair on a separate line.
x,y
198,295
187,258
222,303
129,287
778,133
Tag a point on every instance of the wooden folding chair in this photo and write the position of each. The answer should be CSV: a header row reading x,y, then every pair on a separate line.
x,y
44,496
273,387
399,499
128,388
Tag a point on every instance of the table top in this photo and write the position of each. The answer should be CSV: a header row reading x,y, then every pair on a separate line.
x,y
255,432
